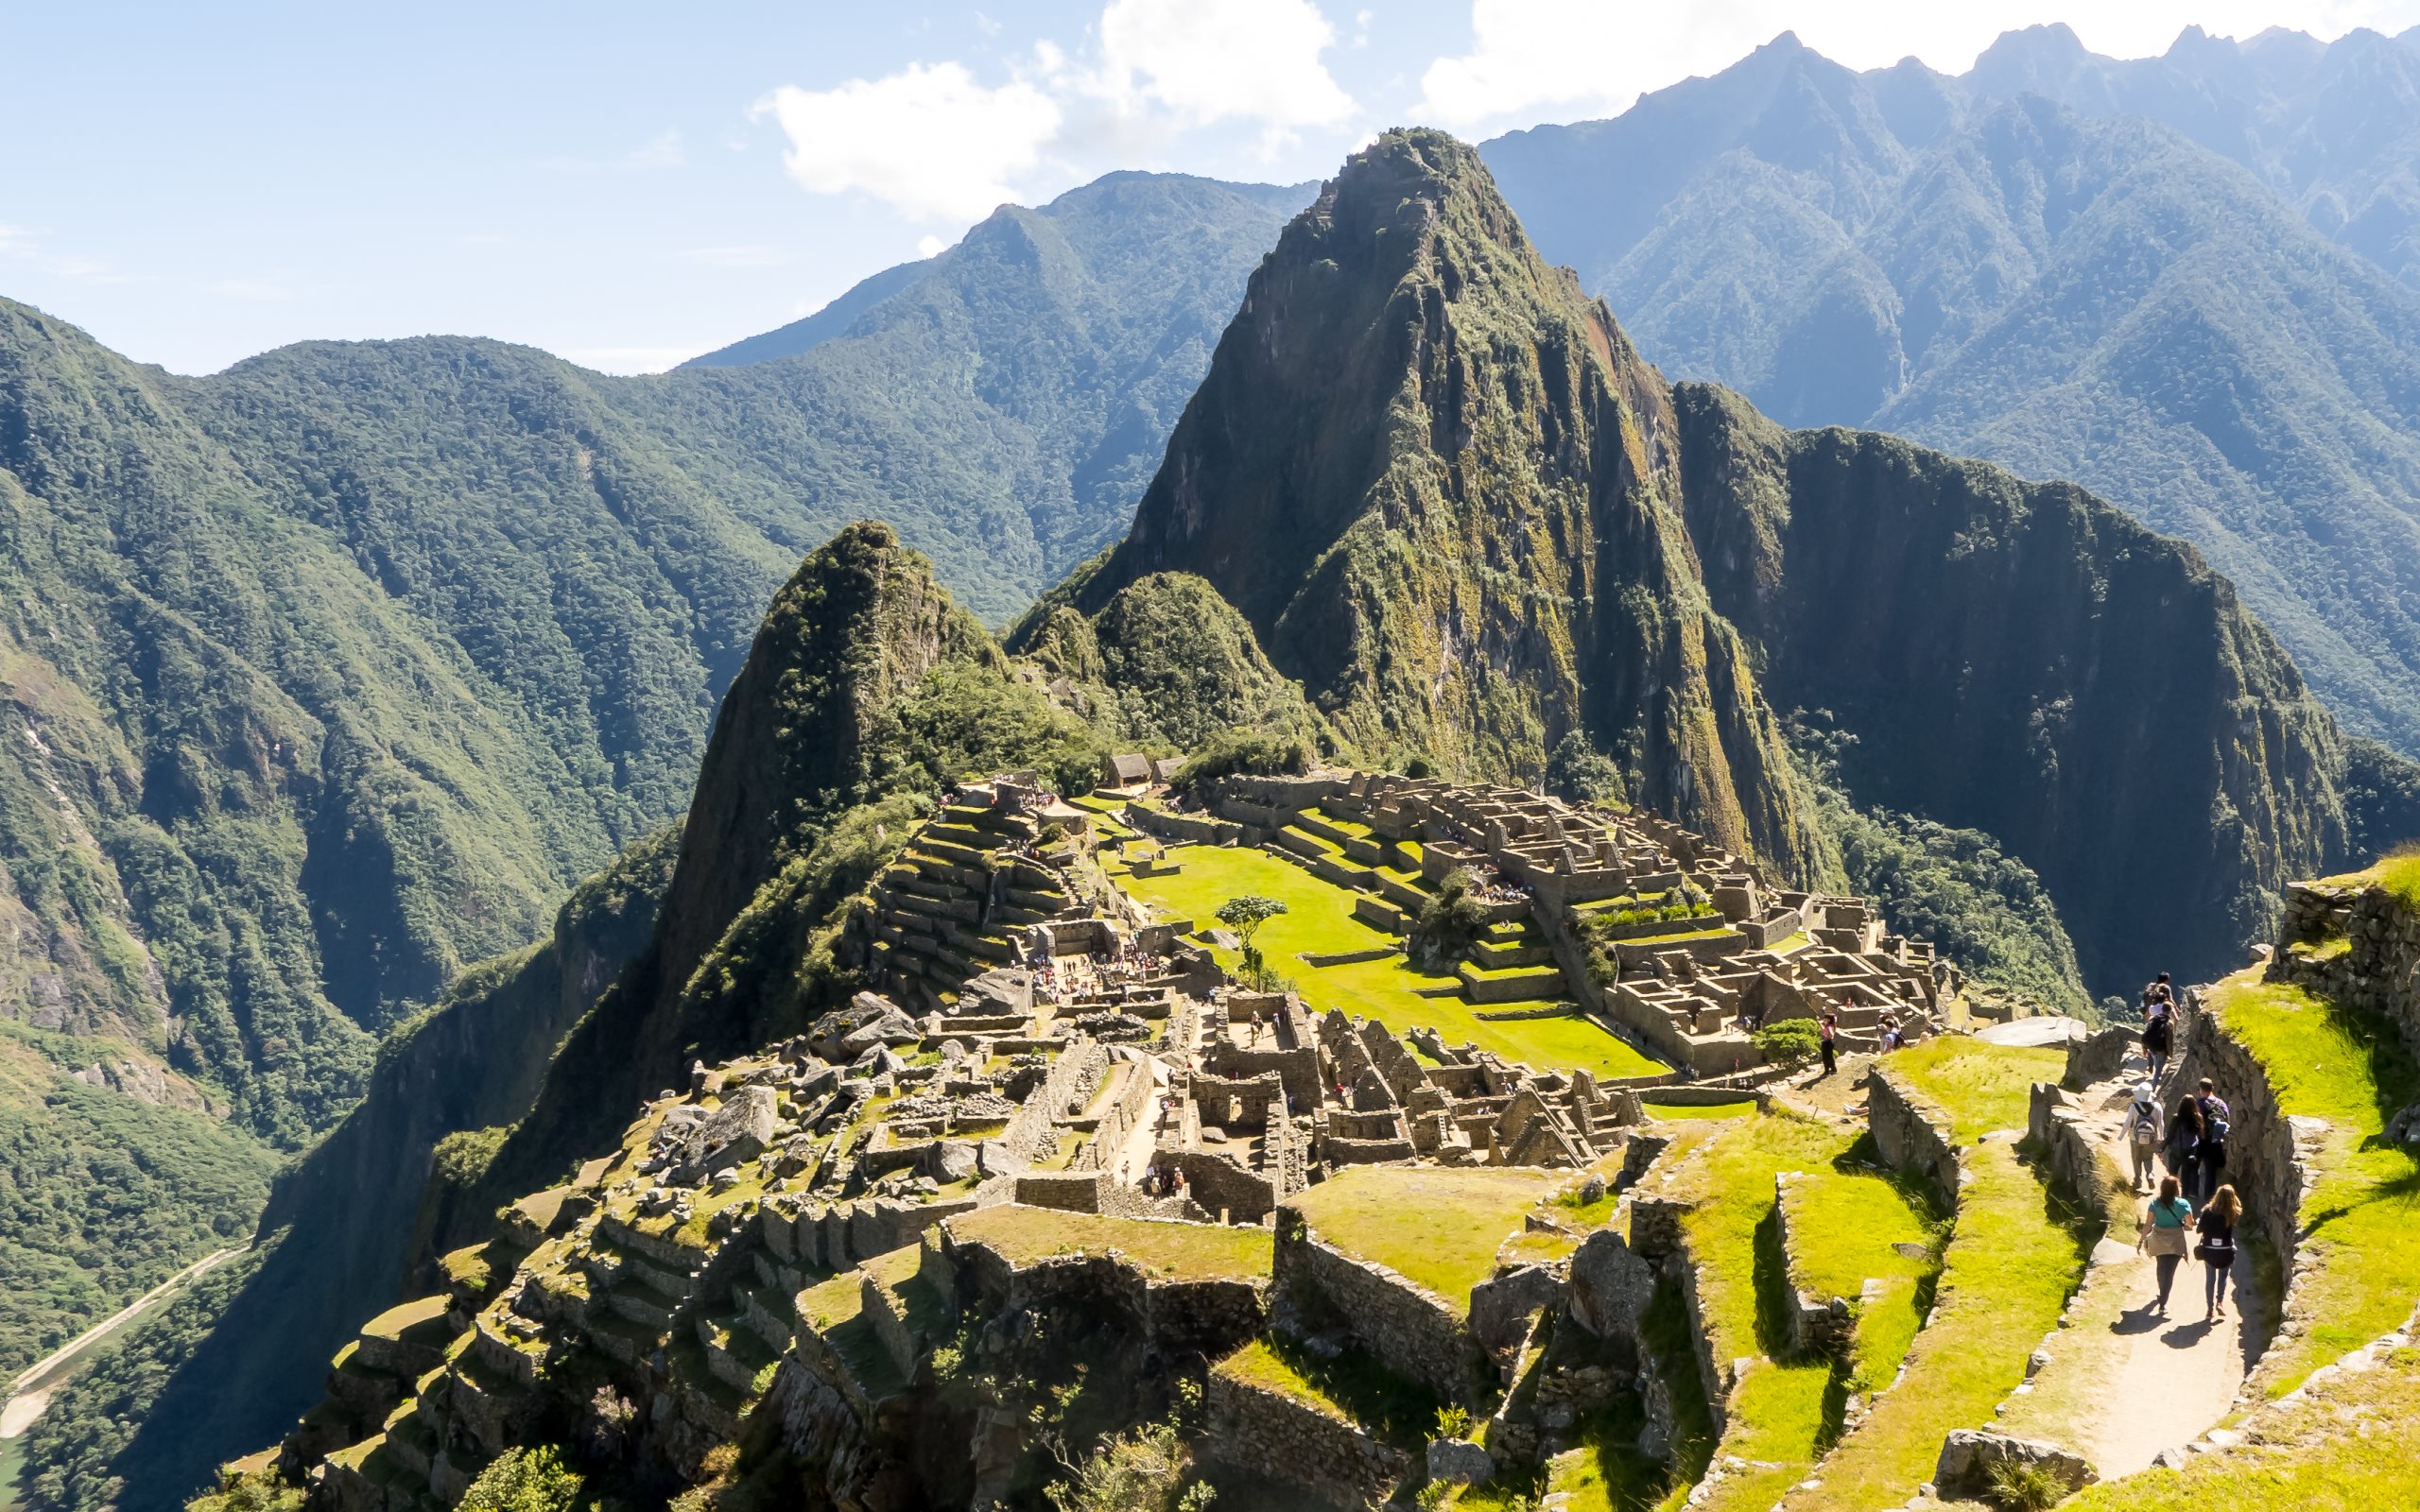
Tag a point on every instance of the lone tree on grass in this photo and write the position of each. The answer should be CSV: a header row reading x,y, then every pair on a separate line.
x,y
1245,915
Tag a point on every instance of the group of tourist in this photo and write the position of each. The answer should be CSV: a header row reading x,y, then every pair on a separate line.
x,y
1166,1181
2163,1231
2159,1025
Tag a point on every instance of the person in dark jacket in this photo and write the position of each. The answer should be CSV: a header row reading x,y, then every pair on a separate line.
x,y
2182,1153
2216,1224
1828,1030
2159,1037
2212,1153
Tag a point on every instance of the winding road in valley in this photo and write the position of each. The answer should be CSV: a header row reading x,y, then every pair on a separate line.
x,y
30,1393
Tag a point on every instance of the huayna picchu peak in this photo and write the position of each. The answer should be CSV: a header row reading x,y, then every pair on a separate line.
x,y
1518,935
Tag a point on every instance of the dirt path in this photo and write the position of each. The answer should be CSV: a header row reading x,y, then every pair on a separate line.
x,y
31,1391
2124,1383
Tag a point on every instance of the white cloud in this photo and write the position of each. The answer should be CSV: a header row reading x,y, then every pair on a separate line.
x,y
1217,60
1528,53
15,239
930,245
928,141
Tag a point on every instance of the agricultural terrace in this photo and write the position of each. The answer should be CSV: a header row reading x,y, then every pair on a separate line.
x,y
1437,1226
2013,1258
1023,1236
1318,919
1785,1411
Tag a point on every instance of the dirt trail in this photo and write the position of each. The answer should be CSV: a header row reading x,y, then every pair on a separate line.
x,y
31,1391
2125,1383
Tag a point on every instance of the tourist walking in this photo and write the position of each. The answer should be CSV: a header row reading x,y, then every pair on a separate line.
x,y
2215,1119
1827,1030
2181,1149
2161,1234
2216,1223
2144,1129
2159,1037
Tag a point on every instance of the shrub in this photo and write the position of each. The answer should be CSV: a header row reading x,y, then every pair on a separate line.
x,y
1789,1044
523,1480
1453,1421
1142,1471
1448,922
2019,1487
1244,751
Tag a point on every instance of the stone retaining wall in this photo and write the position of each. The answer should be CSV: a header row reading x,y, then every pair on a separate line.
x,y
1911,1134
1411,1330
1290,1441
1184,829
1820,1323
2375,969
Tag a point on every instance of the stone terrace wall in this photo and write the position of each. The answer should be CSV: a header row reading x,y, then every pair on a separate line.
x,y
2376,973
1413,1331
1910,1135
1217,1184
2269,1154
1208,1318
1295,1443
1182,829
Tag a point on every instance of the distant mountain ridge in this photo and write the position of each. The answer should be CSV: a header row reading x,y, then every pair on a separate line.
x,y
2070,294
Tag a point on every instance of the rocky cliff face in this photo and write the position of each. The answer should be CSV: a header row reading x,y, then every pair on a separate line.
x,y
1439,483
2024,660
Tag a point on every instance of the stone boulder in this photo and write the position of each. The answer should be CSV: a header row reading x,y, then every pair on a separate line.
x,y
1459,1462
736,1132
1968,1454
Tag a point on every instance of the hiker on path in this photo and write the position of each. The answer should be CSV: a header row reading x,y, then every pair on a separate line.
x,y
2216,1222
1827,1031
2161,1234
2145,1127
2215,1120
2159,1037
2183,1149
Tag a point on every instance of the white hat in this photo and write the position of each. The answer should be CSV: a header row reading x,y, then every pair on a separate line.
x,y
2143,1092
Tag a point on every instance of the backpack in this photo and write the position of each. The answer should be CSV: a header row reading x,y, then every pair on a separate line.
x,y
2138,1123
2214,1121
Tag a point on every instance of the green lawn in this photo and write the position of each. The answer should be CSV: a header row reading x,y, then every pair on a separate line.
x,y
1319,921
1981,1086
1742,1108
1438,1226
1193,1251
1784,1412
2325,1062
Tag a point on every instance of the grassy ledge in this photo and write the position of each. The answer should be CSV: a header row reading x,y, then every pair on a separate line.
x,y
2327,1063
1439,1227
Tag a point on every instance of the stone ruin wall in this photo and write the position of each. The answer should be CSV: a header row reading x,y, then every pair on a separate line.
x,y
1907,1136
1291,1442
2378,973
1411,1330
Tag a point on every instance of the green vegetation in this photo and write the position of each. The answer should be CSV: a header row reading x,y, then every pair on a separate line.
x,y
2013,1258
1982,909
1147,1471
103,1196
2324,1062
1242,751
1353,1385
1245,915
524,1480
1319,921
1790,1043
1448,920
1438,1228
257,1491
81,1451
1785,1411
1742,1108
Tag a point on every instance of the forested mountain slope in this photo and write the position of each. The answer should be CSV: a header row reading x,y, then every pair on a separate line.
x,y
2086,296
1452,500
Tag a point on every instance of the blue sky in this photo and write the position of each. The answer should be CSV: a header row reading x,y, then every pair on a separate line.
x,y
628,185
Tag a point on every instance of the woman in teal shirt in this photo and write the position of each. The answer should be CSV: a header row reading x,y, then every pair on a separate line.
x,y
2163,1229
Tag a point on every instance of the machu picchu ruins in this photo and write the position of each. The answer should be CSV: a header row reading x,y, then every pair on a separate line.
x,y
1043,1048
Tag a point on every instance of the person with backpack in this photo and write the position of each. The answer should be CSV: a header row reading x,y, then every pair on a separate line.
x,y
1827,1030
2145,1128
2159,1037
2216,1223
2160,1233
2181,1148
2213,1151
